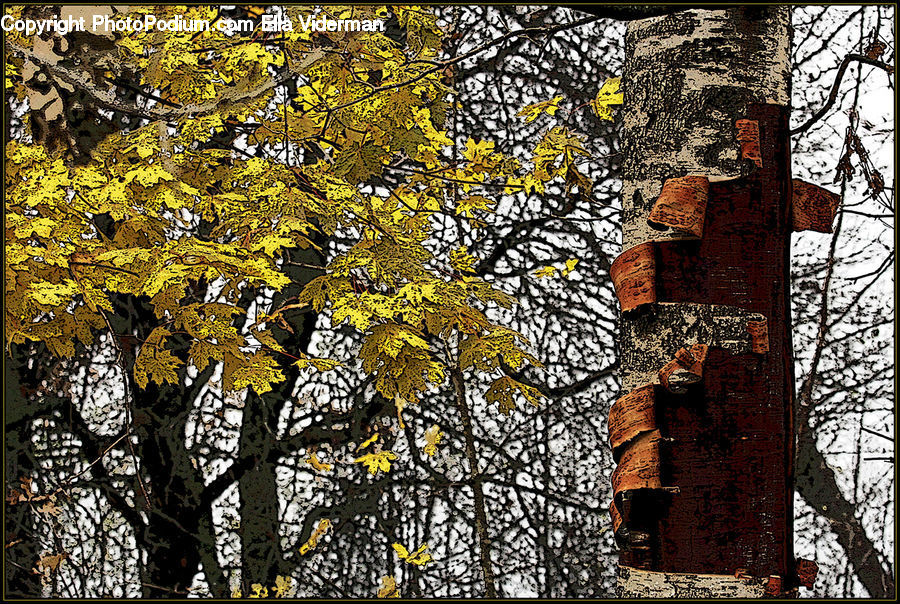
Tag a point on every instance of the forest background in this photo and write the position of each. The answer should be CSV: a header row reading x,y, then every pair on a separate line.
x,y
274,320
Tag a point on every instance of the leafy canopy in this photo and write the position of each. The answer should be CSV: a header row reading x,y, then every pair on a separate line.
x,y
319,121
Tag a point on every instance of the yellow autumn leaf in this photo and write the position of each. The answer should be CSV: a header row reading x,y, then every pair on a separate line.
x,y
52,294
504,390
313,540
550,271
313,460
461,260
260,372
531,112
377,461
547,271
400,404
608,95
388,588
147,176
432,437
475,151
259,591
368,442
318,363
467,205
156,364
282,586
420,557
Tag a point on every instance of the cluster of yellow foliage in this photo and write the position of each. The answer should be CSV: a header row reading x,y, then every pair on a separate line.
x,y
362,104
365,103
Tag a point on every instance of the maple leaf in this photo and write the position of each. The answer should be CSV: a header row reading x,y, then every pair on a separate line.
x,y
467,205
357,162
52,294
260,372
504,390
376,462
607,95
475,151
549,271
271,243
155,363
420,557
531,112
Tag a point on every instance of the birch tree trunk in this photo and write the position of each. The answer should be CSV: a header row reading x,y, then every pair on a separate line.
x,y
703,432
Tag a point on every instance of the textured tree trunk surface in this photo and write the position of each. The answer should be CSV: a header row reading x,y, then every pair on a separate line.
x,y
703,433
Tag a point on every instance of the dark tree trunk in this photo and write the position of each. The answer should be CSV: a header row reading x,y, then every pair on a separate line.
x,y
262,558
176,537
21,407
171,536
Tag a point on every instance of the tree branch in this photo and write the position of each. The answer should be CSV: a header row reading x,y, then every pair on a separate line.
x,y
835,88
815,480
816,483
107,99
630,12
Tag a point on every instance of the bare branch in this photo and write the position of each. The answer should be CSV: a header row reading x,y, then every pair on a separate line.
x,y
835,88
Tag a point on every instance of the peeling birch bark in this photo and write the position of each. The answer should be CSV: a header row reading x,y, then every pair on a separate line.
x,y
813,207
639,467
681,205
631,415
685,369
703,427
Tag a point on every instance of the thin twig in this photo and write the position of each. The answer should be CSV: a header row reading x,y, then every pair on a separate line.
x,y
69,482
884,436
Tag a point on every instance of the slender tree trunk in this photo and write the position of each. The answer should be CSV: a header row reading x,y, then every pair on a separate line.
x,y
262,558
703,432
481,521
